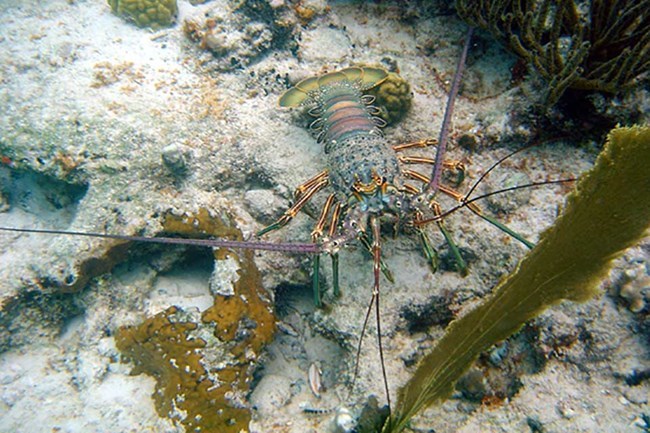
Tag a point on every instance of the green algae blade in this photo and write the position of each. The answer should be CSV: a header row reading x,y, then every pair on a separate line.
x,y
608,212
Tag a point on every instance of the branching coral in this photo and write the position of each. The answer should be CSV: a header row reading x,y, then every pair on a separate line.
x,y
598,45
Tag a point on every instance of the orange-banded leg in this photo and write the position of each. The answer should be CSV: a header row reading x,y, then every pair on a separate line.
x,y
336,215
317,234
419,144
303,194
323,175
456,166
444,189
301,201
429,251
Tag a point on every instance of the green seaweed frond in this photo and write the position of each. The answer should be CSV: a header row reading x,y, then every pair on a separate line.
x,y
602,46
608,212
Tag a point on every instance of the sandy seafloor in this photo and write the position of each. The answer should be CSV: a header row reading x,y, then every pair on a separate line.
x,y
89,99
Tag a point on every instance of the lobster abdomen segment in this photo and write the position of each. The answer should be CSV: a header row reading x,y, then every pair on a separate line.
x,y
356,150
344,115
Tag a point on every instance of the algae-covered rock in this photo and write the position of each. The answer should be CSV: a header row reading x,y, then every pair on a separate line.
x,y
146,13
394,98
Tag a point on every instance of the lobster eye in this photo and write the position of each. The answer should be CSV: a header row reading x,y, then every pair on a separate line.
x,y
353,223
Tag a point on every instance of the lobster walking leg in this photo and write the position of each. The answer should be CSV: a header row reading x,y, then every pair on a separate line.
x,y
471,206
336,214
430,253
460,262
300,190
316,235
303,198
444,189
317,232
426,142
457,166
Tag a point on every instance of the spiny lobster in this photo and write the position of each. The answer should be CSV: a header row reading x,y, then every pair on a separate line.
x,y
369,185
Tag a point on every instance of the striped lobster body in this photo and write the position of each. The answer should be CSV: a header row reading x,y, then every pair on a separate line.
x,y
363,170
357,152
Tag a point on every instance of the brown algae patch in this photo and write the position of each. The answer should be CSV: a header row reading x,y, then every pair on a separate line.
x,y
203,367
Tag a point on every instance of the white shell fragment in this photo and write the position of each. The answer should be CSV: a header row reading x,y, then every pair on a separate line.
x,y
344,420
314,380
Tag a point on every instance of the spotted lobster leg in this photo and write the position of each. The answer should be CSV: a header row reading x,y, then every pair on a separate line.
x,y
303,194
316,236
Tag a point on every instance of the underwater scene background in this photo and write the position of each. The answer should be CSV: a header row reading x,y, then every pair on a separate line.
x,y
157,117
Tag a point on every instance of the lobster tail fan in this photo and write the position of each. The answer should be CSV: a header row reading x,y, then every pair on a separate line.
x,y
299,94
372,77
303,92
293,97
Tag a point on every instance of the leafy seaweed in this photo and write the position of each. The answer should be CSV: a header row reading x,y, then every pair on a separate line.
x,y
608,212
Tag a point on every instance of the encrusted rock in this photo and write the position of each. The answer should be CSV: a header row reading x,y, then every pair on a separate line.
x,y
146,13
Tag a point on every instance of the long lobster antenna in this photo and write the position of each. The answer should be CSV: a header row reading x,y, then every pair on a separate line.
x,y
502,159
467,202
436,172
214,243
